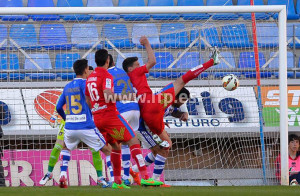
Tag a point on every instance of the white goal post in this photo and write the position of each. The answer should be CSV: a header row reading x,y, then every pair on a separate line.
x,y
282,23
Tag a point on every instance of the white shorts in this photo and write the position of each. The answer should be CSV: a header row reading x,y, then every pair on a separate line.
x,y
91,137
146,138
133,118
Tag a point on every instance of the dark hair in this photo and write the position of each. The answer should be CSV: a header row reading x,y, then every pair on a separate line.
x,y
293,137
91,68
111,60
128,62
183,93
101,57
79,66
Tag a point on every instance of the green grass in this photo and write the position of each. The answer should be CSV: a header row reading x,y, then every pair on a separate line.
x,y
141,191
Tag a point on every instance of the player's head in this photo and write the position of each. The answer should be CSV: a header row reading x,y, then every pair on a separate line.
x,y
181,97
294,142
130,63
101,58
81,68
111,60
91,69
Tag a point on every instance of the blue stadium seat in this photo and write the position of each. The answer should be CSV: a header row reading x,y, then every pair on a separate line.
x,y
102,3
133,3
13,3
44,63
174,40
91,58
84,36
24,35
73,17
227,56
193,16
225,16
247,61
120,59
298,72
267,35
65,61
117,34
293,29
11,64
298,7
149,30
43,3
274,64
54,37
3,37
291,13
236,36
258,16
163,16
209,33
163,61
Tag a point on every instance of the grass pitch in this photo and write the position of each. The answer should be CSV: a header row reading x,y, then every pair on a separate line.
x,y
145,191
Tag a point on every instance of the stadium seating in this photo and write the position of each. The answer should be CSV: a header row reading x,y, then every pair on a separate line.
x,y
210,34
117,34
193,16
150,30
293,30
163,61
3,37
44,63
84,36
236,36
163,16
225,56
247,61
120,59
258,16
226,16
24,36
65,61
133,3
174,40
267,35
91,60
73,17
13,65
53,37
43,3
274,64
13,3
102,3
298,72
291,13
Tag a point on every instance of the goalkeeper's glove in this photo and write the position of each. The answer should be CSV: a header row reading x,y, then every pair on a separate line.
x,y
53,120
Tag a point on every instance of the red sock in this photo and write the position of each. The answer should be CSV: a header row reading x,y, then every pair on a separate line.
x,y
196,71
116,163
136,154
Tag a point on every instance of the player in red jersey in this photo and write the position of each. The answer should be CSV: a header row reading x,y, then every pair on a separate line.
x,y
115,129
152,106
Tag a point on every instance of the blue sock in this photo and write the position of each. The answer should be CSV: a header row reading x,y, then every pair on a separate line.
x,y
66,156
109,166
159,166
125,161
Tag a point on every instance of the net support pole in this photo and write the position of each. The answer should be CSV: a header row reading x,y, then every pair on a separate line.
x,y
259,99
283,98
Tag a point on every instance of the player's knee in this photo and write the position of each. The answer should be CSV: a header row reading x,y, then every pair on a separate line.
x,y
106,150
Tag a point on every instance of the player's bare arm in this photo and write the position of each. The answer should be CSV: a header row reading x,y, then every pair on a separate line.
x,y
151,58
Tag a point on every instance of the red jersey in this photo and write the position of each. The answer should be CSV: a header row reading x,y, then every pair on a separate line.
x,y
139,80
96,83
294,165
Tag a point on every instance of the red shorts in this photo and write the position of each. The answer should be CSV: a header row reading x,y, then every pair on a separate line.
x,y
153,108
114,128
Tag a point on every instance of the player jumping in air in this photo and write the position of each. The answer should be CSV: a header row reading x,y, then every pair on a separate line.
x,y
152,107
97,160
100,94
79,124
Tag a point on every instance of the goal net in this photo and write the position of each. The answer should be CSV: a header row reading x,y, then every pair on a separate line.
x,y
231,137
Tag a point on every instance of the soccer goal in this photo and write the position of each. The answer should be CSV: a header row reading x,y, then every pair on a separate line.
x,y
231,137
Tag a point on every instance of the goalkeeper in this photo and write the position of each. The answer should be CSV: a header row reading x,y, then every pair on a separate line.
x,y
59,144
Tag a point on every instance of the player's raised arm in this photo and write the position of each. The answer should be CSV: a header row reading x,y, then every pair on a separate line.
x,y
151,58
